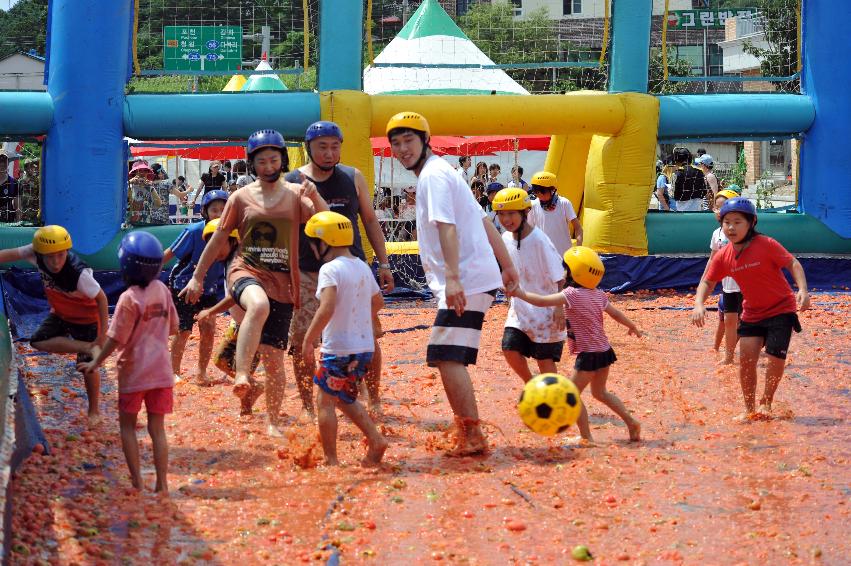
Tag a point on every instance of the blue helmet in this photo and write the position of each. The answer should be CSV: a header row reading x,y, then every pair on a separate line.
x,y
322,129
209,197
140,257
738,204
265,138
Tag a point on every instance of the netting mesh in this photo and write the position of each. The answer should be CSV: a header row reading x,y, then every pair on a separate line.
x,y
20,183
730,47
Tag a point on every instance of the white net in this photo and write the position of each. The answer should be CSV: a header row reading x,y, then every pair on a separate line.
x,y
20,183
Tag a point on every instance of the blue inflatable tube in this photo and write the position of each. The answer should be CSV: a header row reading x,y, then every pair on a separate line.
x,y
733,116
85,168
630,55
340,46
25,113
217,116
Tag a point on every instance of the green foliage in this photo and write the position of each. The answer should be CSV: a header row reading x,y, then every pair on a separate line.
x,y
737,174
185,84
781,34
676,67
23,27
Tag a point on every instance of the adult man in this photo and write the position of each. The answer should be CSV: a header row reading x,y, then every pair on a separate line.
x,y
9,210
29,187
689,184
346,192
552,213
464,164
517,178
459,257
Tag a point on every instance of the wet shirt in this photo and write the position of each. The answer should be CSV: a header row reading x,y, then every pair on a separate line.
x,y
268,248
554,222
350,329
758,271
141,325
187,248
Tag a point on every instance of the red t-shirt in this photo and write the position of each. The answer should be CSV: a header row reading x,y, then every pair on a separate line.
x,y
758,271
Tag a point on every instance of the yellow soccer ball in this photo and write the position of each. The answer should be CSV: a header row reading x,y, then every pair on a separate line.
x,y
549,404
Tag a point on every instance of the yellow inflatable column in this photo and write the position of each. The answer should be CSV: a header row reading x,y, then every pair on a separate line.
x,y
566,159
352,111
619,179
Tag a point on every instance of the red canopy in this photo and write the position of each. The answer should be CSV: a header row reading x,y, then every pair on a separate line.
x,y
440,145
189,149
475,145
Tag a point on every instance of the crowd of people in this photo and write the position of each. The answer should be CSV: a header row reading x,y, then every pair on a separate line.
x,y
284,256
688,184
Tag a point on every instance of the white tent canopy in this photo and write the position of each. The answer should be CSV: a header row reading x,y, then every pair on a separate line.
x,y
431,38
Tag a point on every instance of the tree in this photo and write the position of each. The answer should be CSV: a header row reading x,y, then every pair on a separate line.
x,y
780,58
676,67
24,27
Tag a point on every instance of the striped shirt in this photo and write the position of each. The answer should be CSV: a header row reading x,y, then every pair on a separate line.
x,y
584,312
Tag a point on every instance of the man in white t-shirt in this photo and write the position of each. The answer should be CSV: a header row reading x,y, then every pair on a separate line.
x,y
459,256
552,213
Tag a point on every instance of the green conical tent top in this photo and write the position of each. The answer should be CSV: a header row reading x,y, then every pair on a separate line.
x,y
430,19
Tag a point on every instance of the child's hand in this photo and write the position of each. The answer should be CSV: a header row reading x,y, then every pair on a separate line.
x,y
803,299
698,315
510,279
634,331
87,367
202,315
308,357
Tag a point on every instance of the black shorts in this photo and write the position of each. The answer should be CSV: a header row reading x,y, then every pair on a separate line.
x,y
516,340
277,325
775,330
186,312
592,361
730,302
53,326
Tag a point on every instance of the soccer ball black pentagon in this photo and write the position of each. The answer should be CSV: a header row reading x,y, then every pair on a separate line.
x,y
549,404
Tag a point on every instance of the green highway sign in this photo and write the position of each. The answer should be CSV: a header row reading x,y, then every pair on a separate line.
x,y
202,48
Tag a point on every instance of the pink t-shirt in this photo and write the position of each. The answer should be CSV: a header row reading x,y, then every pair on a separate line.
x,y
142,323
584,311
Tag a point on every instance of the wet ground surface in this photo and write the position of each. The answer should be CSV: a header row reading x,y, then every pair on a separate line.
x,y
699,488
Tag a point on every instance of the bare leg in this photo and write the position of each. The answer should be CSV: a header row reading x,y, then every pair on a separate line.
x,y
178,345
206,329
276,376
773,374
719,334
547,366
581,379
598,390
731,336
328,427
303,378
256,305
377,444
462,399
127,422
518,363
62,345
159,442
372,378
92,381
749,347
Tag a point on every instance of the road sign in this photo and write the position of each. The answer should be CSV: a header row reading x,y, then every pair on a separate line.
x,y
202,48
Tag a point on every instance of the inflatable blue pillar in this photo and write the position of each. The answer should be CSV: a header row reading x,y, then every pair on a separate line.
x,y
825,160
340,45
630,54
85,168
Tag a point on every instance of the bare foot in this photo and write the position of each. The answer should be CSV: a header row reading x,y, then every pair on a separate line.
x,y
634,431
247,405
95,419
177,378
273,431
241,387
744,417
728,360
331,461
375,453
764,411
202,380
579,442
306,416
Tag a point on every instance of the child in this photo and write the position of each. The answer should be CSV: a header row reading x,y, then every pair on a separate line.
x,y
584,305
144,318
730,303
78,306
554,214
187,248
349,298
769,305
530,332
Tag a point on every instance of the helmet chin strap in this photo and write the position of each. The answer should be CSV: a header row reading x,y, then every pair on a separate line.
x,y
423,155
550,204
272,178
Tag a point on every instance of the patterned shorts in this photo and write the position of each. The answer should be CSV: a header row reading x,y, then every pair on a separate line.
x,y
339,375
456,338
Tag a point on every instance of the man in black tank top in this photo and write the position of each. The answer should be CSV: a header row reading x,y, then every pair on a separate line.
x,y
346,192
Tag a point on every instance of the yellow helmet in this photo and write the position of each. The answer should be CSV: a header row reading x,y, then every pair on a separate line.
x,y
511,199
212,226
331,227
544,179
727,193
586,267
408,120
51,239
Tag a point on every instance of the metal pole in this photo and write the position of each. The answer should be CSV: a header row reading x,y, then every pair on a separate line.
x,y
266,32
705,63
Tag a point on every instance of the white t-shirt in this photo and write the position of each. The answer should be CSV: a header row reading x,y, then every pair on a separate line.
x,y
554,222
350,329
540,270
718,241
443,196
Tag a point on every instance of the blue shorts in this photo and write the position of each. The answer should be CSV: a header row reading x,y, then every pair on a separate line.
x,y
339,375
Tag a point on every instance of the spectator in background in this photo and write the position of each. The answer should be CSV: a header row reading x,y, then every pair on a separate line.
x,y
493,174
478,188
210,181
492,189
163,188
698,154
464,163
243,177
9,198
228,172
408,213
517,179
706,164
688,182
481,173
143,198
663,186
29,188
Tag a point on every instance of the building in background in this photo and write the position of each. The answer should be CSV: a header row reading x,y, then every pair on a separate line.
x,y
22,71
